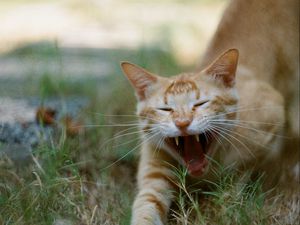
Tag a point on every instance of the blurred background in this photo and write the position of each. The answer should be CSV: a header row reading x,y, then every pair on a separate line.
x,y
51,47
61,90
86,39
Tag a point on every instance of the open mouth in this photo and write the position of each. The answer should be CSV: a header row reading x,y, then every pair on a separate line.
x,y
193,149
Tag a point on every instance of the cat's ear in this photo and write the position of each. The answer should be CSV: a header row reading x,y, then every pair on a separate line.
x,y
224,67
140,79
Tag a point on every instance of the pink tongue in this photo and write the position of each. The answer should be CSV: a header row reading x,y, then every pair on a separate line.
x,y
193,156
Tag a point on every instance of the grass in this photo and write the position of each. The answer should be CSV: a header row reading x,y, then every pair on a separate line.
x,y
229,200
67,180
81,180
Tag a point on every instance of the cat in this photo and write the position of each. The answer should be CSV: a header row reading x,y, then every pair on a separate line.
x,y
245,87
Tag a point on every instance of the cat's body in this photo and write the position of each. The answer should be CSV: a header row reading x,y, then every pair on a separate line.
x,y
266,33
267,36
184,118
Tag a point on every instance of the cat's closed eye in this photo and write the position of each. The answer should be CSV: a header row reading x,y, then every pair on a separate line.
x,y
166,109
200,103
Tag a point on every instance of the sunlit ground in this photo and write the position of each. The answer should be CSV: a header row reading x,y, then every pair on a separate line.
x,y
72,48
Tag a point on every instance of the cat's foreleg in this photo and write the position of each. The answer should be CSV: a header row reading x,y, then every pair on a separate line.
x,y
156,191
152,203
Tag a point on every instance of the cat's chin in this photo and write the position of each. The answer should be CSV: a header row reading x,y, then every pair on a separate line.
x,y
193,149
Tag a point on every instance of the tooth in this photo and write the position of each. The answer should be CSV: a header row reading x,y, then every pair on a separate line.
x,y
197,138
176,140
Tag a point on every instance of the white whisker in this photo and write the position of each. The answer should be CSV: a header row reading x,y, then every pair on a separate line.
x,y
246,121
124,115
108,125
249,128
227,132
244,109
218,132
158,145
247,138
127,134
126,154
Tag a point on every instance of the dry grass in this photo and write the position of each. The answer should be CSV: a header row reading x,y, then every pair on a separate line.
x,y
87,179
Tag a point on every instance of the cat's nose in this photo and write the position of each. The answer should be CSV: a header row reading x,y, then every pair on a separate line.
x,y
182,123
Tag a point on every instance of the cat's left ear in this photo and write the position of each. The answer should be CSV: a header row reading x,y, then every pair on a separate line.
x,y
140,79
224,67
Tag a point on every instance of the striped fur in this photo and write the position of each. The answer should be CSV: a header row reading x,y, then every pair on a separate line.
x,y
213,98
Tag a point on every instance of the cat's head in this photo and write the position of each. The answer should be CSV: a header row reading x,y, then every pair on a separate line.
x,y
181,114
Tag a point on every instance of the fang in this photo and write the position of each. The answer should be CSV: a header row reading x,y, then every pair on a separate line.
x,y
176,141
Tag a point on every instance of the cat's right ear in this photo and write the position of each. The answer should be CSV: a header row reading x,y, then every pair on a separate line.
x,y
140,79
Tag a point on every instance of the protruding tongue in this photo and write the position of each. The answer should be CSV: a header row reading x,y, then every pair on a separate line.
x,y
193,156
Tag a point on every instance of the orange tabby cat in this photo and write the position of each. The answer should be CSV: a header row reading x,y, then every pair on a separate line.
x,y
233,114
